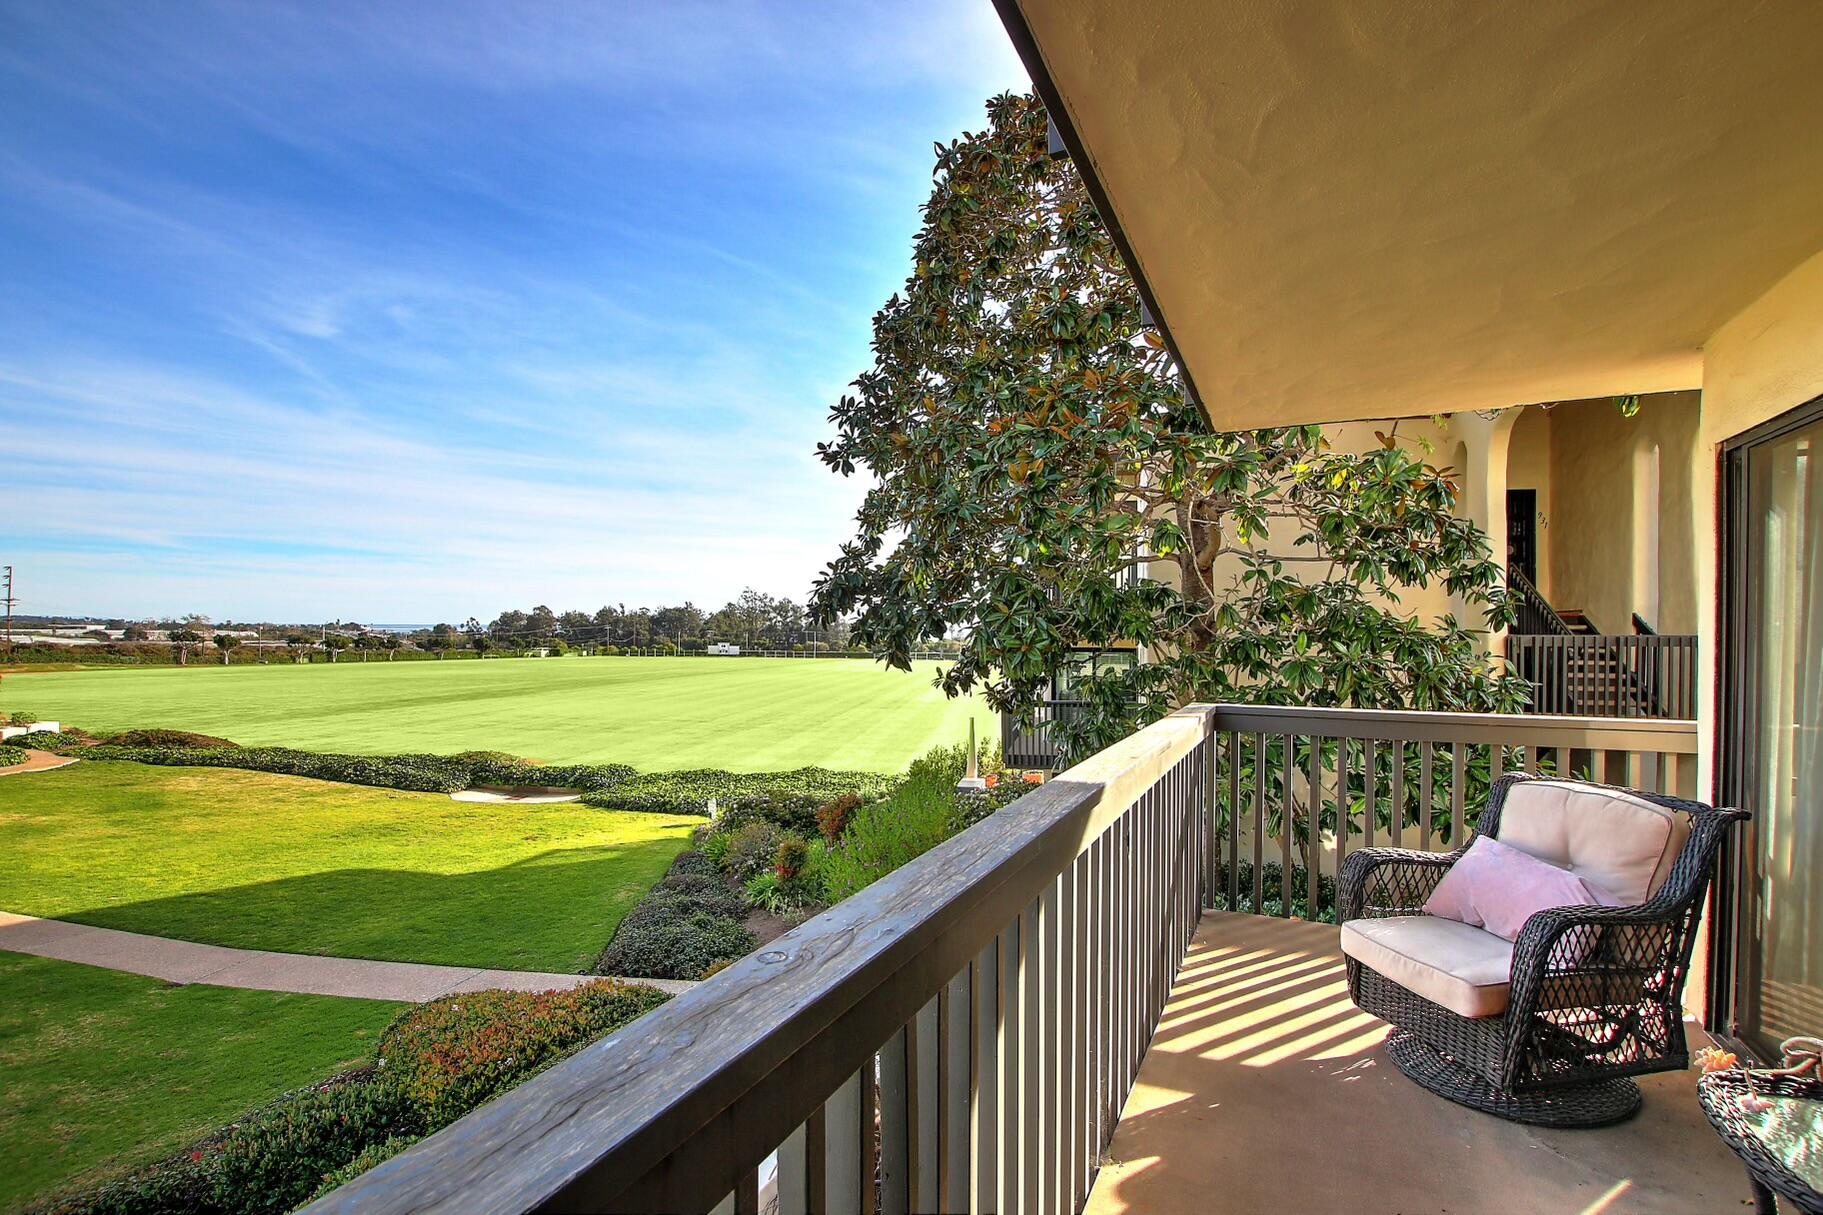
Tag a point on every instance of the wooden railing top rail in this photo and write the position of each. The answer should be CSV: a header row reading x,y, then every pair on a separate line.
x,y
766,1041
1674,737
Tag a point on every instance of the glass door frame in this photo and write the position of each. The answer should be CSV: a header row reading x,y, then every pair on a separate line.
x,y
1734,907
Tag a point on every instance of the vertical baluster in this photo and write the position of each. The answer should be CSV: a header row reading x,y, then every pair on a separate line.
x,y
1042,1138
1013,943
1344,810
1370,769
839,1132
984,1079
1398,806
1259,823
1313,850
1063,1065
747,1195
869,1154
954,1050
1285,825
1458,786
794,1175
1210,749
1530,762
1234,821
895,1125
1081,1061
1426,776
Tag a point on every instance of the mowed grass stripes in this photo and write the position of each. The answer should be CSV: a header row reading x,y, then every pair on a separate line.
x,y
743,714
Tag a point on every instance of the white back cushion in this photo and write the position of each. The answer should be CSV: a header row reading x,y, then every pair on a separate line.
x,y
1624,844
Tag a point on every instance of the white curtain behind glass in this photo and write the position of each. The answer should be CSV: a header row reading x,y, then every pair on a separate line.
x,y
1788,477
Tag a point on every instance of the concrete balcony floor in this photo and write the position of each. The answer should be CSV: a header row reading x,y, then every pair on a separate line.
x,y
1266,1090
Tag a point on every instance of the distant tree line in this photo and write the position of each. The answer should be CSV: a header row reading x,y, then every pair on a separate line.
x,y
753,619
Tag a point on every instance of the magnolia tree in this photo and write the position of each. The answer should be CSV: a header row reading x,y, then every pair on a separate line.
x,y
1030,445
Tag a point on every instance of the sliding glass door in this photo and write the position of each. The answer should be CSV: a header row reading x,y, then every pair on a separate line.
x,y
1773,727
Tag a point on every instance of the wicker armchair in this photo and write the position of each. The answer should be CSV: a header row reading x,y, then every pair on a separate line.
x,y
1594,994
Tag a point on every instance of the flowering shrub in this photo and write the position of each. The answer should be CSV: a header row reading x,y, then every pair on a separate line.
x,y
10,755
753,849
450,1055
832,817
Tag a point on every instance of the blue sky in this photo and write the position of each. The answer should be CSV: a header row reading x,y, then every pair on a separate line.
x,y
402,312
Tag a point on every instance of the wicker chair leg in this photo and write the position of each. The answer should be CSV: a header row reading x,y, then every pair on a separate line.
x,y
1598,1103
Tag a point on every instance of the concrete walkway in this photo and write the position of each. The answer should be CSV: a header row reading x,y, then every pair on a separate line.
x,y
37,761
186,962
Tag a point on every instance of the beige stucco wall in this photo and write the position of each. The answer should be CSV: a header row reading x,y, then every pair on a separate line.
x,y
1604,512
1764,362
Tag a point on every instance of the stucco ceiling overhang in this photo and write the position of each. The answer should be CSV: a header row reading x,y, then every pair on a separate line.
x,y
1372,208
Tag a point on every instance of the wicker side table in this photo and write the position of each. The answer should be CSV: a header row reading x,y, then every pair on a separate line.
x,y
1720,1094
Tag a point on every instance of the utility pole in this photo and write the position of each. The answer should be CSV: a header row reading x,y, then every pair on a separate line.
x,y
6,596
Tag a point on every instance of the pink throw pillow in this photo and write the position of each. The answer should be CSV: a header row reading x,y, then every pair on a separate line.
x,y
1499,888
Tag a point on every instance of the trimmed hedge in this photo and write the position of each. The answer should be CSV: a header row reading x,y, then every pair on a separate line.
x,y
421,773
800,791
435,1063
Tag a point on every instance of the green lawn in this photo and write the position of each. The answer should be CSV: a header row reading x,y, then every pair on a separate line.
x,y
278,862
744,714
100,1069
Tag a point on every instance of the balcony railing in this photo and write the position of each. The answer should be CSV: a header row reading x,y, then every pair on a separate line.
x,y
1300,788
963,1034
1031,744
1598,675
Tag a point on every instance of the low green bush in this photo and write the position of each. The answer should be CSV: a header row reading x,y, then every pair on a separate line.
x,y
49,740
278,1157
661,905
694,863
690,792
681,946
10,755
450,1055
709,893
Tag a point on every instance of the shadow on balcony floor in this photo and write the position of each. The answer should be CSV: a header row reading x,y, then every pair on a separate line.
x,y
1266,1090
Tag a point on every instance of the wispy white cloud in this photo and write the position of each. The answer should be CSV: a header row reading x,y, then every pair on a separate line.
x,y
416,310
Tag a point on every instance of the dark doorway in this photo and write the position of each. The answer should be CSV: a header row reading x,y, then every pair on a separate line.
x,y
1522,533
1770,735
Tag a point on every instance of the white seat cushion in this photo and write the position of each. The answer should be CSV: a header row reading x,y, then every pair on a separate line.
x,y
1624,844
1465,969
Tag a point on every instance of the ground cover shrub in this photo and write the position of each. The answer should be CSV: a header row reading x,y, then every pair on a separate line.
x,y
706,892
10,755
690,792
435,1062
56,741
682,946
278,1157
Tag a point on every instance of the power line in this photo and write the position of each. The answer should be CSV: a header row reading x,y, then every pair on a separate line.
x,y
6,585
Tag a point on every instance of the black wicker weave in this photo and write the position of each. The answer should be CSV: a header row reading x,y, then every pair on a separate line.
x,y
1719,1094
1561,1053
